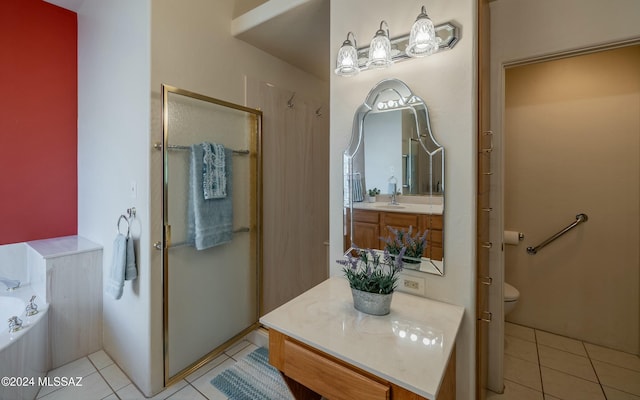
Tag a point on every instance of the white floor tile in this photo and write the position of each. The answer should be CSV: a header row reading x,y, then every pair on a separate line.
x,y
130,392
112,396
523,372
521,348
169,391
100,359
569,387
204,386
115,377
515,391
231,351
187,393
519,331
615,394
245,351
566,362
615,357
93,388
561,343
259,337
81,367
207,367
623,379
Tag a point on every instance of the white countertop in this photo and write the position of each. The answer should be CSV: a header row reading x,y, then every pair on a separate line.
x,y
409,347
413,208
63,246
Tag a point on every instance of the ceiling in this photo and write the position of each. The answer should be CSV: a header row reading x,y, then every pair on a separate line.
x,y
296,31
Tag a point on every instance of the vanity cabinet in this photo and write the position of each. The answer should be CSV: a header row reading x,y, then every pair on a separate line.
x,y
313,374
370,225
323,346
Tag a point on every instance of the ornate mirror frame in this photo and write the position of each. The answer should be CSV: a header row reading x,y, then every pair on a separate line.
x,y
394,95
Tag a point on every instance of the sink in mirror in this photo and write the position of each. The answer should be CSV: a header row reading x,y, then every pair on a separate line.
x,y
394,154
389,206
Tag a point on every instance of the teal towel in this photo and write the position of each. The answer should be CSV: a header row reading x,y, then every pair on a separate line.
x,y
131,270
115,283
209,222
214,179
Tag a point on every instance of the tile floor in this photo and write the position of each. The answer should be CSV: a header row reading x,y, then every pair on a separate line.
x,y
103,380
538,366
542,366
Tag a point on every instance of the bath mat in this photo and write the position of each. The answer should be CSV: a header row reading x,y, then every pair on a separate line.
x,y
252,378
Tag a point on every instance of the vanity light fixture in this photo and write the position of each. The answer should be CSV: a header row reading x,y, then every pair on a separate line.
x,y
424,39
347,61
380,48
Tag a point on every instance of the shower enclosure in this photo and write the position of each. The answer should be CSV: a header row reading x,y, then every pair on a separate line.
x,y
211,296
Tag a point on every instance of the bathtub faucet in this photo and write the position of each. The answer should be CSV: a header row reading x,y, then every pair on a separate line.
x,y
15,324
12,284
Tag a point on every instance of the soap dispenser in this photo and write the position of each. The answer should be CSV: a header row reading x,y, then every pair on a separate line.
x,y
393,188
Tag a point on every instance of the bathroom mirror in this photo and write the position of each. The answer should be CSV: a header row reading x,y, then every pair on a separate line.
x,y
393,150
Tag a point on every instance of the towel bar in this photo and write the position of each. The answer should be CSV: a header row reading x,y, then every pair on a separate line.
x,y
181,244
158,146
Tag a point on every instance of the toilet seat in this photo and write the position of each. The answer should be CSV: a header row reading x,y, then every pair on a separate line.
x,y
510,293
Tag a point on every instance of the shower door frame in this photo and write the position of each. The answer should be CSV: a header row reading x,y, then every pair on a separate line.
x,y
255,155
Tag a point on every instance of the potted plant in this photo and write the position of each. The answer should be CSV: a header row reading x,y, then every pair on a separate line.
x,y
414,245
372,194
372,277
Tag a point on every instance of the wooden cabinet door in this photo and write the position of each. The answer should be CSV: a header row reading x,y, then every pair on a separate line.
x,y
397,221
366,235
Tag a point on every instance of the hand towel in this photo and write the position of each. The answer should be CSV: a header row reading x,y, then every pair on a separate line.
x,y
210,222
115,283
131,270
356,186
214,179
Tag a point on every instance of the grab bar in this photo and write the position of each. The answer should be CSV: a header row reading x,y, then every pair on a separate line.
x,y
579,219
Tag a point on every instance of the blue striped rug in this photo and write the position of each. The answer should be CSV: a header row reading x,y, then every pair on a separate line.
x,y
252,378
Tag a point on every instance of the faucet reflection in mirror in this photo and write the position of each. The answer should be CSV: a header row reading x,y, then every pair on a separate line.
x,y
424,39
392,136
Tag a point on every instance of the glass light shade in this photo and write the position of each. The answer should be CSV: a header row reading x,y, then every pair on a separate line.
x,y
422,39
347,60
380,50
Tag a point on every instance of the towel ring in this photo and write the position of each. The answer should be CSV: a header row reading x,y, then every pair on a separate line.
x,y
122,216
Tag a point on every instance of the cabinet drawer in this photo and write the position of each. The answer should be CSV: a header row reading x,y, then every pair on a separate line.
x,y
428,221
328,378
365,216
434,237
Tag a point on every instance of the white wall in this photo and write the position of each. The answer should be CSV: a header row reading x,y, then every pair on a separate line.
x,y
523,30
113,151
447,83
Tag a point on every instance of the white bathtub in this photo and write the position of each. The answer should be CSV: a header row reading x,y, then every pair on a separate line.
x,y
23,354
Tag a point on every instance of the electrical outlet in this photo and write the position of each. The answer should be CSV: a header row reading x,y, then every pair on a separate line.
x,y
411,284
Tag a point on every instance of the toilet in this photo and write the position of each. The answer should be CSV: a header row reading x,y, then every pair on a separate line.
x,y
511,296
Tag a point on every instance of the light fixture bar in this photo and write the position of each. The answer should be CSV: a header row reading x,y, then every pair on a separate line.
x,y
447,33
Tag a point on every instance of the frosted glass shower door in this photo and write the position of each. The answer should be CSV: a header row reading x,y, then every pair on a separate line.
x,y
211,295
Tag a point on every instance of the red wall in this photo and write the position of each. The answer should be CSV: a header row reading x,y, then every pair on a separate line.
x,y
38,121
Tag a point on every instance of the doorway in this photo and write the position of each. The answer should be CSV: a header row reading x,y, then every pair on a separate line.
x,y
571,142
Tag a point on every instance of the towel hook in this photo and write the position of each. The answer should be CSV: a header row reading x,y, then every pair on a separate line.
x,y
290,102
318,113
122,216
